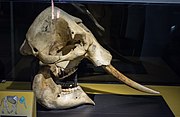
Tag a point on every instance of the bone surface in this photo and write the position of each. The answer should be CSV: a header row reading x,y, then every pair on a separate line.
x,y
60,44
53,96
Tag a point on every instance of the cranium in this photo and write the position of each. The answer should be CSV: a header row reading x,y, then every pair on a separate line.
x,y
60,44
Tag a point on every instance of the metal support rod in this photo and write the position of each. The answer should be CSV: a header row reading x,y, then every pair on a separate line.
x,y
12,39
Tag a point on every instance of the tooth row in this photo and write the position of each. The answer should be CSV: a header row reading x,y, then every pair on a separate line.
x,y
69,89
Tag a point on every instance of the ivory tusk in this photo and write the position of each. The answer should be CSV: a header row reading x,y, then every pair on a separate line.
x,y
128,81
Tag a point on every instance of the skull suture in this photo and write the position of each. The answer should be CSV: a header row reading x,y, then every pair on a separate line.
x,y
60,44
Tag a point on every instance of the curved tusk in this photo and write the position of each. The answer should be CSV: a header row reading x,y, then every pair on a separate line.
x,y
128,81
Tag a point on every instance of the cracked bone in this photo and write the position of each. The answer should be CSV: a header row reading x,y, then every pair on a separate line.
x,y
60,44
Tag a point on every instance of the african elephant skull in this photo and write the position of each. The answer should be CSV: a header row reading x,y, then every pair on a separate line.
x,y
60,44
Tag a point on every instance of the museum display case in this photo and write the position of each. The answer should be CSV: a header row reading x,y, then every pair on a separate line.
x,y
140,39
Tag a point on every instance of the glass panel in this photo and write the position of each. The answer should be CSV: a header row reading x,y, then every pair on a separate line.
x,y
144,40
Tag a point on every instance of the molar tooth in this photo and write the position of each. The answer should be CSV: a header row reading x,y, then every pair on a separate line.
x,y
64,90
67,90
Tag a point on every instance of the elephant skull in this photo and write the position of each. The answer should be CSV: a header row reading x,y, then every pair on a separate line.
x,y
60,44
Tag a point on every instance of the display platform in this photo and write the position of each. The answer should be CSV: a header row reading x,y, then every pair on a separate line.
x,y
111,105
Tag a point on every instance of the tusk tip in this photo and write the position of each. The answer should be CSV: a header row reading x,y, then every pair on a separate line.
x,y
156,92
